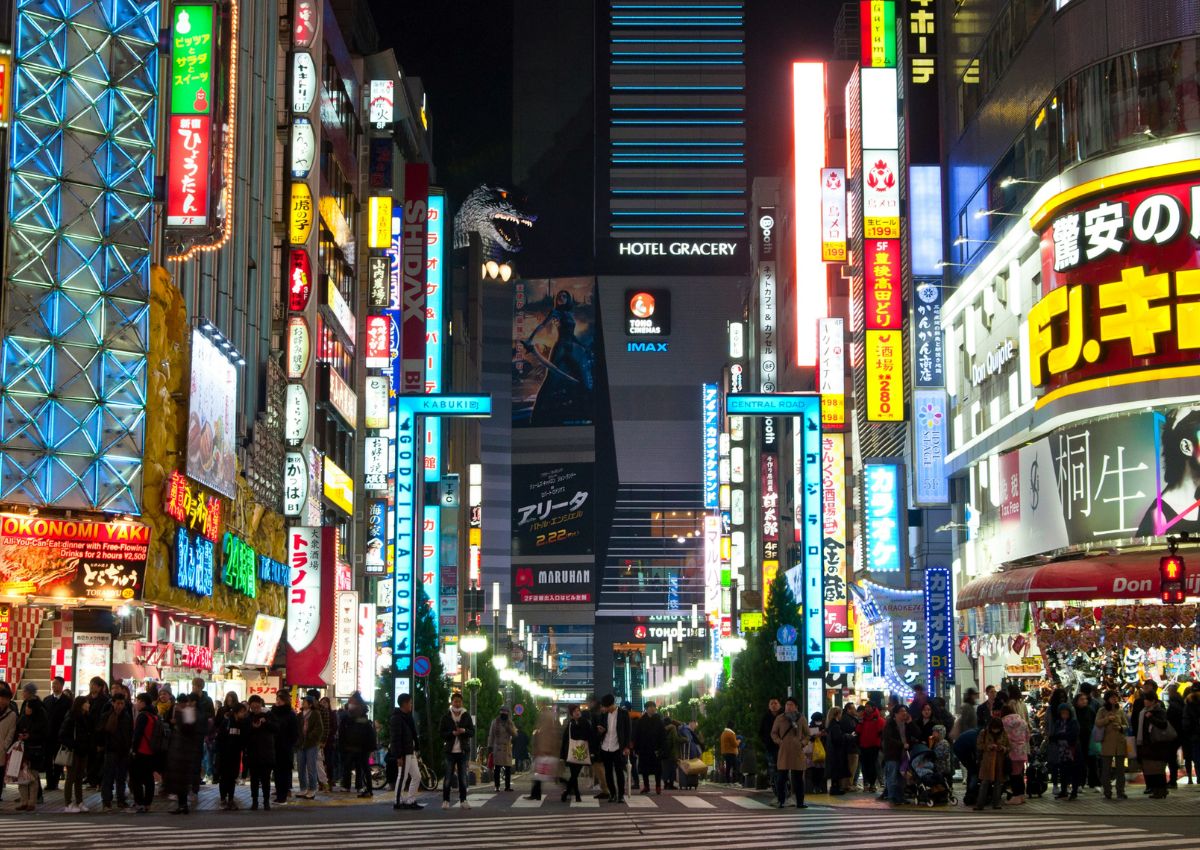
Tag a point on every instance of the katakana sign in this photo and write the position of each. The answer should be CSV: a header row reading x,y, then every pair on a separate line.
x,y
552,509
191,507
881,494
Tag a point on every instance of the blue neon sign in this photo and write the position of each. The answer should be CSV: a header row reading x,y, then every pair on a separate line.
x,y
939,625
882,496
768,404
809,461
471,406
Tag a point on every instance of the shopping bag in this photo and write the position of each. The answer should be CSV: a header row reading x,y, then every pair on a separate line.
x,y
65,757
16,757
1130,747
818,752
545,769
578,752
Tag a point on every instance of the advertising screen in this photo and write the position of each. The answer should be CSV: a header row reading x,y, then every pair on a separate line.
x,y
92,560
212,410
553,509
554,329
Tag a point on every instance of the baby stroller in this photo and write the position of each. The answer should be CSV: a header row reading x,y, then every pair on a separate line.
x,y
1037,774
929,787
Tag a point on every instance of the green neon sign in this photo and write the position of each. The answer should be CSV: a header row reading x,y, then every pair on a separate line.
x,y
192,59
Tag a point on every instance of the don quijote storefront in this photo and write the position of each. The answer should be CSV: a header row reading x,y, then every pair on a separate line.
x,y
1080,455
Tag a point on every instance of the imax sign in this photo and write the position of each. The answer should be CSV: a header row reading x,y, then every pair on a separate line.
x,y
648,347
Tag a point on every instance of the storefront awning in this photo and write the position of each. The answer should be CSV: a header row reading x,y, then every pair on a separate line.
x,y
1131,576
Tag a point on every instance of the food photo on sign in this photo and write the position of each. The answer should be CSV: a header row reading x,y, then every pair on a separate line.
x,y
212,431
92,560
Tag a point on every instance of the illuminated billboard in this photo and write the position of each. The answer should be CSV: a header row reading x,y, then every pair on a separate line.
x,y
212,418
808,148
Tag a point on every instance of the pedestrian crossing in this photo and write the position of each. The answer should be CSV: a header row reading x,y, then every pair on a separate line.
x,y
608,828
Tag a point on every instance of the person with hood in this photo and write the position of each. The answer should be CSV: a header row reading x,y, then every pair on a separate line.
x,y
404,750
76,736
1064,752
895,750
968,714
312,735
1112,721
648,738
457,729
259,751
849,724
183,753
500,746
992,745
1017,731
1156,742
765,724
358,740
547,744
575,750
32,730
837,757
870,740
116,734
789,733
230,741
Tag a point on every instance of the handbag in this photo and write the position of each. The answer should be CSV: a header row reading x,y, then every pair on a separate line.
x,y
578,752
818,752
16,756
693,767
65,757
1162,734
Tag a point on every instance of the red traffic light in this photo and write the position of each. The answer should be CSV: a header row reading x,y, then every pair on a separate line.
x,y
1171,576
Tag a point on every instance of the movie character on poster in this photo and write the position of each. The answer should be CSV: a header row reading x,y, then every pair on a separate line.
x,y
553,361
1176,509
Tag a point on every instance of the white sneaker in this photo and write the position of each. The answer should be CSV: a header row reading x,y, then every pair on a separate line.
x,y
82,809
71,809
464,805
445,804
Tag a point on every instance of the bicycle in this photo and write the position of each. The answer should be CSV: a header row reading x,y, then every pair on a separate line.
x,y
429,779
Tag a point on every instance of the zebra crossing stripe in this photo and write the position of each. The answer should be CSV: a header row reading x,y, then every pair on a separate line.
x,y
747,802
526,803
695,802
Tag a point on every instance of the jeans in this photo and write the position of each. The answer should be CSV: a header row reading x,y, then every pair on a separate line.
x,y
456,763
410,775
869,759
113,772
895,782
1110,765
614,772
308,769
781,785
141,776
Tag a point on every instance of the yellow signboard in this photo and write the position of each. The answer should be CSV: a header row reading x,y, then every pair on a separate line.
x,y
339,488
300,221
885,376
379,218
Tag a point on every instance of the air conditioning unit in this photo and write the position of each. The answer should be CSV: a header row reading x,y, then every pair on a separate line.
x,y
133,625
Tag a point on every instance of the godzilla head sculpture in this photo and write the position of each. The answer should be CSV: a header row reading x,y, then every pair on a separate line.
x,y
497,215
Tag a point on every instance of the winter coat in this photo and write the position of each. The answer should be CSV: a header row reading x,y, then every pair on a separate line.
x,y
287,732
1190,729
231,738
920,729
1064,741
57,708
695,744
992,748
499,742
791,739
648,736
895,740
1114,722
765,724
1086,718
206,711
521,744
312,732
116,730
670,748
183,755
837,764
35,726
404,733
1017,731
358,734
260,740
328,725
1148,750
1175,706
446,730
578,730
143,732
967,718
8,727
850,727
75,733
870,729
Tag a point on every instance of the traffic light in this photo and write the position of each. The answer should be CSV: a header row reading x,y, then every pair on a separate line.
x,y
1171,576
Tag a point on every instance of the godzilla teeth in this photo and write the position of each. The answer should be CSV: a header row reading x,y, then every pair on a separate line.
x,y
514,219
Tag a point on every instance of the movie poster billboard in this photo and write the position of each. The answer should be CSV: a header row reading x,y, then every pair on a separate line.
x,y
553,352
553,509
212,412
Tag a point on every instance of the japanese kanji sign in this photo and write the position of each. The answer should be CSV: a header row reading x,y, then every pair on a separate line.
x,y
885,376
190,123
929,354
93,560
881,259
312,554
939,624
188,505
833,538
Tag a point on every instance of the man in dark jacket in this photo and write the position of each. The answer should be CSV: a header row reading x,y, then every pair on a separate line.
x,y
648,736
614,732
260,751
770,748
357,740
57,705
457,729
116,738
849,724
404,750
205,713
286,733
1175,718
895,747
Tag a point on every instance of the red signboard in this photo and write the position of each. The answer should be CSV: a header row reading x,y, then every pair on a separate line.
x,y
188,168
312,555
299,280
882,263
304,23
770,497
5,632
94,560
379,335
414,244
1120,285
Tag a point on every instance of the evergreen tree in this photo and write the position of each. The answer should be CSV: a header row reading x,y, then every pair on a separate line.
x,y
431,694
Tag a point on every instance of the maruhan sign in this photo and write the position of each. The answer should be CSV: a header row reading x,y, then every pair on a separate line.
x,y
677,249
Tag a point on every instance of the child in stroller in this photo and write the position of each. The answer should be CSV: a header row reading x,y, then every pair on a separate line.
x,y
929,787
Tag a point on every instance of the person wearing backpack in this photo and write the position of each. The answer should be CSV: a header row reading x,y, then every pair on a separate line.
x,y
149,740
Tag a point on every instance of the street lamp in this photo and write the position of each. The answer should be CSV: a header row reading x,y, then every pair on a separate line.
x,y
472,645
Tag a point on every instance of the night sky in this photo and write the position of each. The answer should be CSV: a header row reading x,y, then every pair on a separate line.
x,y
462,52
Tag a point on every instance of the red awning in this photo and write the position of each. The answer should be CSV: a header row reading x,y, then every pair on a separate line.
x,y
1129,576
